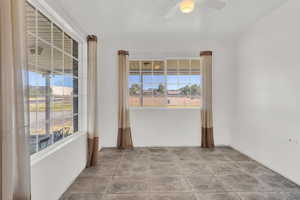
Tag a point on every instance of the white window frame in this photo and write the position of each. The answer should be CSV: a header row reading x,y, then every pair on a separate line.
x,y
68,27
165,59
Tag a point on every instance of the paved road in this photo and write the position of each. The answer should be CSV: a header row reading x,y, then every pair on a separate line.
x,y
56,117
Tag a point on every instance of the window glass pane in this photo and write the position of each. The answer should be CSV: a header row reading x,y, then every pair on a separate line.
x,y
68,44
195,90
134,81
195,84
68,106
44,55
44,27
195,65
159,89
134,84
68,127
172,79
58,62
30,19
146,66
185,89
158,78
40,81
158,83
75,68
75,86
184,66
41,115
173,90
194,101
57,85
172,66
147,86
68,65
31,50
147,97
134,66
176,101
44,141
134,100
33,101
75,105
33,140
68,85
174,93
75,123
146,78
57,121
57,36
159,101
67,109
158,66
134,78
75,49
183,79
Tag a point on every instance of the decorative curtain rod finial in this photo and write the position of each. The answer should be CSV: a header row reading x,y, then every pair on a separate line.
x,y
123,52
92,38
206,53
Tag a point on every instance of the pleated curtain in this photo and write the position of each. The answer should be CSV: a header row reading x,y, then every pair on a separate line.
x,y
93,135
14,133
207,140
124,130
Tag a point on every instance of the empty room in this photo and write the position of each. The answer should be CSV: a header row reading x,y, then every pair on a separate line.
x,y
149,100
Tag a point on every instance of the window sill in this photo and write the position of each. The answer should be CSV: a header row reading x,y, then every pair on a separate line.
x,y
39,156
164,108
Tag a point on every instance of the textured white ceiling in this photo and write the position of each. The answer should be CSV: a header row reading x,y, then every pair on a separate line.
x,y
148,16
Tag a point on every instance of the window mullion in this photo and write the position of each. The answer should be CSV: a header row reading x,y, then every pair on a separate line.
x,y
152,83
166,83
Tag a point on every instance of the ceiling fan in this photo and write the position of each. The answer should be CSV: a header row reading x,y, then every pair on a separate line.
x,y
188,6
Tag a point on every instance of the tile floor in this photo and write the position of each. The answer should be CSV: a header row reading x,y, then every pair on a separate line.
x,y
183,173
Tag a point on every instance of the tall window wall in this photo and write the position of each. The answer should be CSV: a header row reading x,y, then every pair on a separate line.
x,y
53,81
165,83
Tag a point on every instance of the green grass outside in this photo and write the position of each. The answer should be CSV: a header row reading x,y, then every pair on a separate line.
x,y
56,107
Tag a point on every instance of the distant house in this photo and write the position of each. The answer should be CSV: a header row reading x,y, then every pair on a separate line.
x,y
62,91
174,92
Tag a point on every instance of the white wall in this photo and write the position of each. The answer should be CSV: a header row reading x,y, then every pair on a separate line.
x,y
150,126
166,127
54,171
268,92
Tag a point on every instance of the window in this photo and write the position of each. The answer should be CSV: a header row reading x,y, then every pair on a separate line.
x,y
165,83
53,81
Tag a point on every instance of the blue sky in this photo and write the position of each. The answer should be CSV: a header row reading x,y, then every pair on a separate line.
x,y
37,79
174,82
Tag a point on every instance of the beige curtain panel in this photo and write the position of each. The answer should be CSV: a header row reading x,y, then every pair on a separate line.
x,y
124,131
93,136
206,112
14,156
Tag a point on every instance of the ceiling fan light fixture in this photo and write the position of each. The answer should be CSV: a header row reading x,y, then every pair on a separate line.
x,y
187,6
